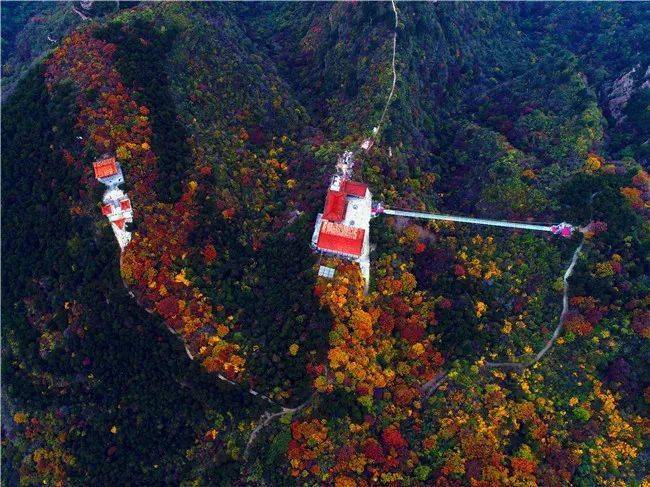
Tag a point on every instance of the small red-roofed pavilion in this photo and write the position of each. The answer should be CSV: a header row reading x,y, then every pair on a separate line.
x,y
120,223
105,168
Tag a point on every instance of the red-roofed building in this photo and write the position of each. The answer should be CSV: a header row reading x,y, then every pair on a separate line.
x,y
120,223
116,203
335,203
105,168
354,188
343,227
341,239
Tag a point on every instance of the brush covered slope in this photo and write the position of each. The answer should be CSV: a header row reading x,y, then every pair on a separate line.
x,y
210,353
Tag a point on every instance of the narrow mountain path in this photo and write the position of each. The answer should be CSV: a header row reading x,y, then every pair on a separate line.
x,y
558,328
264,421
430,386
80,14
520,365
376,131
189,354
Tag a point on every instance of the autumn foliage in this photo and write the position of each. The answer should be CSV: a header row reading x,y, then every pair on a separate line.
x,y
403,392
153,262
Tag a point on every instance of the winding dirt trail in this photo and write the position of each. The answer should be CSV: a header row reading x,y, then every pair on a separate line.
x,y
80,14
558,328
376,131
436,381
565,305
264,421
430,387
189,354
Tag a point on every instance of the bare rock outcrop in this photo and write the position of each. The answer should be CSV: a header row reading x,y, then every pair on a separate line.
x,y
623,88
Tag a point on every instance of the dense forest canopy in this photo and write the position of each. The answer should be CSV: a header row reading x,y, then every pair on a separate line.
x,y
210,352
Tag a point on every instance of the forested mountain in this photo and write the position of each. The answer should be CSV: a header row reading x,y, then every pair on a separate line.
x,y
210,352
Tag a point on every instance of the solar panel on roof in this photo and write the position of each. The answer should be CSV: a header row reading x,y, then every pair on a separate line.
x,y
324,271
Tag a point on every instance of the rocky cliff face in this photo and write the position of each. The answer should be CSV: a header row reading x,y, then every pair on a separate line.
x,y
621,90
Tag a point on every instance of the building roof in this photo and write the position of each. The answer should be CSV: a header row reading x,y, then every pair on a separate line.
x,y
354,188
325,271
125,204
105,167
335,204
336,200
107,210
339,238
120,223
